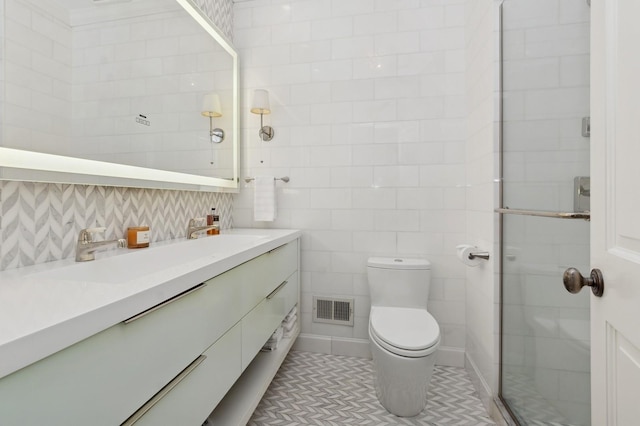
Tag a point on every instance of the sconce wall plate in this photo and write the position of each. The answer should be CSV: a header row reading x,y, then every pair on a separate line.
x,y
266,133
217,135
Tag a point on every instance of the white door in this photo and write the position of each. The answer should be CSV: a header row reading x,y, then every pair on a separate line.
x,y
615,205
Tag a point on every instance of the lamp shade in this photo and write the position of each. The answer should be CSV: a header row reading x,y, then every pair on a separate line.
x,y
260,104
211,106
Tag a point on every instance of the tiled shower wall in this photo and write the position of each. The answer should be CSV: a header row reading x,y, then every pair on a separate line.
x,y
39,222
546,94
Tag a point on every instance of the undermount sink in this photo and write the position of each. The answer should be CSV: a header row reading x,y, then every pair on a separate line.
x,y
122,266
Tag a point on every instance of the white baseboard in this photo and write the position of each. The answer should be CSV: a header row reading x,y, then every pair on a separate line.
x,y
485,393
312,343
448,356
350,347
332,345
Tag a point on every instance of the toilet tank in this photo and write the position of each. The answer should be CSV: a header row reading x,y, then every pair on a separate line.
x,y
400,282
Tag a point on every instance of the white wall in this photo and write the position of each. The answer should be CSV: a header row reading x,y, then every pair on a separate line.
x,y
482,282
368,104
37,67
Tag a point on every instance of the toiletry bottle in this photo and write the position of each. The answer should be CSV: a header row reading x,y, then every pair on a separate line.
x,y
216,222
210,221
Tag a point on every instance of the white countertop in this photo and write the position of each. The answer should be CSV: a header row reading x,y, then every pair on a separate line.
x,y
48,307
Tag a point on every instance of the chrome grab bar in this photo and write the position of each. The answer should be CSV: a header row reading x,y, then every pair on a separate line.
x,y
542,213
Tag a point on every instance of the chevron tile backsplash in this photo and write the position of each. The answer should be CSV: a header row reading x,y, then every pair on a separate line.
x,y
220,12
40,222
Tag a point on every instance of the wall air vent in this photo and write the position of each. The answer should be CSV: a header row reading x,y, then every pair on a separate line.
x,y
333,311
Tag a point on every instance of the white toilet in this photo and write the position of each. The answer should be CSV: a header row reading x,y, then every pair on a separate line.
x,y
403,335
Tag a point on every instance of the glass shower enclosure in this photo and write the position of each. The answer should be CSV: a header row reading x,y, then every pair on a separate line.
x,y
545,193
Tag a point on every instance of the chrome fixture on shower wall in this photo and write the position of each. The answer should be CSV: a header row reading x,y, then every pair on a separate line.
x,y
581,194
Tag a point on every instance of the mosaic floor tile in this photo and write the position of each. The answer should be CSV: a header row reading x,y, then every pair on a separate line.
x,y
320,389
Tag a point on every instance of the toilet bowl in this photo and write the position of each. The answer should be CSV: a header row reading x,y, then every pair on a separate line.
x,y
403,335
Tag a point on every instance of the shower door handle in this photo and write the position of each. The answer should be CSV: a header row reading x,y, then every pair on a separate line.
x,y
574,281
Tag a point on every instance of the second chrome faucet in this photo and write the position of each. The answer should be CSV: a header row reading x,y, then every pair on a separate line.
x,y
193,229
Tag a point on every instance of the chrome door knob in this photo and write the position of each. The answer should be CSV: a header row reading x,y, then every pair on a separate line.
x,y
574,281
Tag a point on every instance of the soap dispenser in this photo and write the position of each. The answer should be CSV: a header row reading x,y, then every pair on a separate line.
x,y
213,219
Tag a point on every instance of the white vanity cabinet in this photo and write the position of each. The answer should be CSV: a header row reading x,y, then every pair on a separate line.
x,y
169,365
190,397
259,324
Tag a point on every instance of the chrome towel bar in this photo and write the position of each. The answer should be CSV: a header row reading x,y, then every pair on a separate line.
x,y
542,213
285,179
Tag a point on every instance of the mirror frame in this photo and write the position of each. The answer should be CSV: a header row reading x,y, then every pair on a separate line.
x,y
22,165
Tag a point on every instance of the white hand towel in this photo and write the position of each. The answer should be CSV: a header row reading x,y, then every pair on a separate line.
x,y
264,199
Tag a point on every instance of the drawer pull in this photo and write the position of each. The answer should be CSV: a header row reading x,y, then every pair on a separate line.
x,y
274,292
164,391
276,249
165,303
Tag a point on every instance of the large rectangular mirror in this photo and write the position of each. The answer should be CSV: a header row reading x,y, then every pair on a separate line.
x,y
140,93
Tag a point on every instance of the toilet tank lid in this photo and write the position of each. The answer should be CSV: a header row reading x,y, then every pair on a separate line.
x,y
398,263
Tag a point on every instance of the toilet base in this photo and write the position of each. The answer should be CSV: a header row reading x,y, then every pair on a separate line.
x,y
401,383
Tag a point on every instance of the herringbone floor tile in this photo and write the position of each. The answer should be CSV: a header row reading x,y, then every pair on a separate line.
x,y
320,389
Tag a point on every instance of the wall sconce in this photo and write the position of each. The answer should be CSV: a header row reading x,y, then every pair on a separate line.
x,y
261,106
211,108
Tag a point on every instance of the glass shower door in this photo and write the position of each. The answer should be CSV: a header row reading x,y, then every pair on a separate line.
x,y
545,162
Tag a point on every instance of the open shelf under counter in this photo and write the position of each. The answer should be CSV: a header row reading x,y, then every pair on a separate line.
x,y
238,405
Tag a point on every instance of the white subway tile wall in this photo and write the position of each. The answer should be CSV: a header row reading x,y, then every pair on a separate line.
x,y
37,78
481,193
39,222
370,125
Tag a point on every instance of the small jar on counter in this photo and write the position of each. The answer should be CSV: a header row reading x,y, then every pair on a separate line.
x,y
138,236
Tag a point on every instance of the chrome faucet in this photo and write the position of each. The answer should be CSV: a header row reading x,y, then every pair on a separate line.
x,y
86,247
192,229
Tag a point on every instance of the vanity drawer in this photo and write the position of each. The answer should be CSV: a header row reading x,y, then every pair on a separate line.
x,y
266,272
194,393
105,378
265,318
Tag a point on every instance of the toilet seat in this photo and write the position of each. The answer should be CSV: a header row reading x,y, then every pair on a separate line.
x,y
407,332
